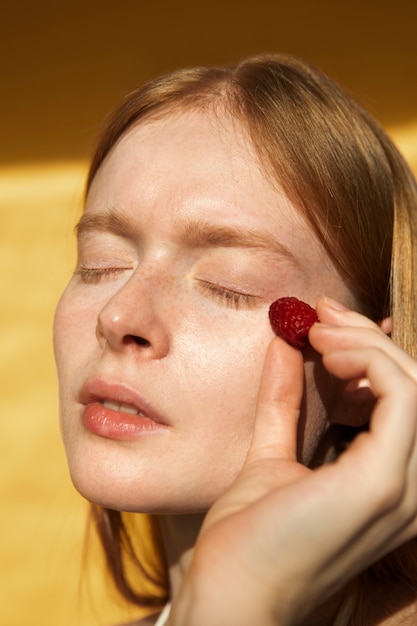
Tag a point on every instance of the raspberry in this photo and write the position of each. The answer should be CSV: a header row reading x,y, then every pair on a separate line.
x,y
291,319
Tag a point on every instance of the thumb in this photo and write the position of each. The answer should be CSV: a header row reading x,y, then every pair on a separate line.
x,y
278,406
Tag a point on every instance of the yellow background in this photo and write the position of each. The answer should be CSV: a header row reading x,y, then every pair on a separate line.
x,y
62,66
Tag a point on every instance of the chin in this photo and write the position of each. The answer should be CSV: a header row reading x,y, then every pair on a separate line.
x,y
113,498
162,495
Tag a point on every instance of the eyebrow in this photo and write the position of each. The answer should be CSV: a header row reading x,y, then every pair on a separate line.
x,y
106,221
195,233
199,233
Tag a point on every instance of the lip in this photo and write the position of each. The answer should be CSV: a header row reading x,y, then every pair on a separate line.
x,y
103,412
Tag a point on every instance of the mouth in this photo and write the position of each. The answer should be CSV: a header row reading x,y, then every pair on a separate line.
x,y
116,411
122,407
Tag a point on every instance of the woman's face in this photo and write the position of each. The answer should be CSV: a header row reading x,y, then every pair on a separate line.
x,y
161,334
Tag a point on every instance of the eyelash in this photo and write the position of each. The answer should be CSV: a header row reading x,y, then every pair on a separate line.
x,y
229,297
93,275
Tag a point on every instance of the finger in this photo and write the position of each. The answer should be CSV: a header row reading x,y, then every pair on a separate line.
x,y
370,491
326,338
279,400
341,328
332,312
395,414
381,464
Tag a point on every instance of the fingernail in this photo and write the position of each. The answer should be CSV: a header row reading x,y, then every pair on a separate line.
x,y
335,304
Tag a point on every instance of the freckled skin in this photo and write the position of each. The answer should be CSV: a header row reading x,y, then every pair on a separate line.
x,y
200,363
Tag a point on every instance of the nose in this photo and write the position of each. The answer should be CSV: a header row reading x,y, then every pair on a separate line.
x,y
132,319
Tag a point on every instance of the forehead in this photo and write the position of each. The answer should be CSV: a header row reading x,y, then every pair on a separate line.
x,y
193,152
210,135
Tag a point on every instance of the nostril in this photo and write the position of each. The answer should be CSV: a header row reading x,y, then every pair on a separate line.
x,y
140,341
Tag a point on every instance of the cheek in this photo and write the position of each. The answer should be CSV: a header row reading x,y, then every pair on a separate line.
x,y
63,333
74,326
74,345
220,404
223,373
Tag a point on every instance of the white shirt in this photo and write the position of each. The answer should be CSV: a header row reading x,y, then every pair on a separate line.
x,y
163,618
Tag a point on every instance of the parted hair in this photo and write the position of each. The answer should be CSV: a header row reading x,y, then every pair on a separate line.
x,y
345,176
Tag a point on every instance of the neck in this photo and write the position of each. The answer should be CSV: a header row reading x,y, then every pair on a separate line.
x,y
179,534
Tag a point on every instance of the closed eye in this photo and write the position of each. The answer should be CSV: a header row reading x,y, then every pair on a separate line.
x,y
93,275
229,297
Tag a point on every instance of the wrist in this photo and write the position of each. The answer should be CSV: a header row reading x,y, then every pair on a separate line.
x,y
206,600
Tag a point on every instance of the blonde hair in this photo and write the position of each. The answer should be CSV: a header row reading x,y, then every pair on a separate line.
x,y
342,172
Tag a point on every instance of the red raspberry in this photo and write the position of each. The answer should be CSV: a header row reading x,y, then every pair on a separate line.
x,y
291,319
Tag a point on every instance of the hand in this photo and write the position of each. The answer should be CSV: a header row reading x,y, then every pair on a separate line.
x,y
283,538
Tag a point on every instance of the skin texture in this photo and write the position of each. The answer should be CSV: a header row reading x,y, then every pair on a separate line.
x,y
201,367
